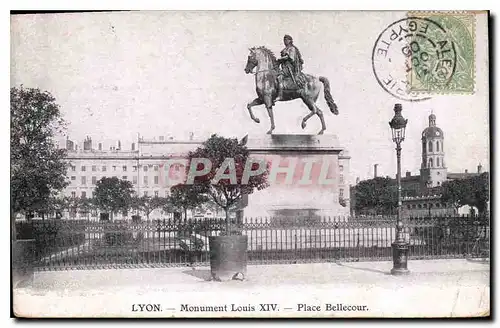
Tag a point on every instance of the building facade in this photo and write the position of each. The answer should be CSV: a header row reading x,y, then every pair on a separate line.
x,y
425,206
153,166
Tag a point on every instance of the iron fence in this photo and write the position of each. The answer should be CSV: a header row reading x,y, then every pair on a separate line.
x,y
63,244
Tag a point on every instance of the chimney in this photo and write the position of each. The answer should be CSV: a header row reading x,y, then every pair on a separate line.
x,y
133,146
100,146
191,135
466,171
69,144
87,144
408,174
375,170
479,168
119,146
357,180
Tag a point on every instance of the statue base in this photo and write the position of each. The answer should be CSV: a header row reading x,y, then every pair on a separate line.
x,y
307,177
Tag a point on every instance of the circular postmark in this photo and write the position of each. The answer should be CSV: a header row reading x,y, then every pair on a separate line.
x,y
411,56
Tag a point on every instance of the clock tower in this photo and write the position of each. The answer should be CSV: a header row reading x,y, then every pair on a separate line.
x,y
433,168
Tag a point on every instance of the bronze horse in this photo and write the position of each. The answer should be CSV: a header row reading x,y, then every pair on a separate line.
x,y
266,82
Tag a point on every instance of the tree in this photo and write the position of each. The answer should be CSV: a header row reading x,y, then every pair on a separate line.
x,y
229,157
38,167
112,195
186,197
472,191
146,204
86,205
378,195
58,205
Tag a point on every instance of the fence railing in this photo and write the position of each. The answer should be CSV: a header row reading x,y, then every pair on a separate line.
x,y
70,244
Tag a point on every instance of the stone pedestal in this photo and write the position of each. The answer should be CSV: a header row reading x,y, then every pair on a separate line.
x,y
310,188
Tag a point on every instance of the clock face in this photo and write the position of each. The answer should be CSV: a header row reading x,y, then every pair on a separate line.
x,y
437,133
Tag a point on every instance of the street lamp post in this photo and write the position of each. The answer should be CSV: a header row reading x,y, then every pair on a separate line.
x,y
399,246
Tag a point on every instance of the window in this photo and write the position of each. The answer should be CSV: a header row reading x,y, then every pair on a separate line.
x,y
430,146
341,193
145,194
145,168
145,180
134,168
134,179
424,148
438,205
104,168
341,178
437,162
419,205
94,180
73,194
341,168
156,193
414,206
124,177
84,194
114,167
155,167
124,167
84,180
73,178
430,162
425,205
439,183
73,168
408,206
156,179
84,168
94,168
437,145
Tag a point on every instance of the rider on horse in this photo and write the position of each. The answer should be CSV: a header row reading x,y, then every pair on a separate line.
x,y
291,64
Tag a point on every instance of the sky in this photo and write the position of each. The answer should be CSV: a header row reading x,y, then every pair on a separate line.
x,y
172,73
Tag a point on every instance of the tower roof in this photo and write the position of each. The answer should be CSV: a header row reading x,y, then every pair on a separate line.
x,y
432,131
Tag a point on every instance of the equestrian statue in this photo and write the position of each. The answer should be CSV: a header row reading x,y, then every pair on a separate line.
x,y
282,79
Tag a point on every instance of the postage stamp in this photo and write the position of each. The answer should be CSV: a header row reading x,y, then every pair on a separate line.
x,y
260,164
426,54
443,55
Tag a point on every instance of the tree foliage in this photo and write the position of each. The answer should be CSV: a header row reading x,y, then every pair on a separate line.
x,y
186,197
113,194
378,195
38,168
224,192
472,191
147,204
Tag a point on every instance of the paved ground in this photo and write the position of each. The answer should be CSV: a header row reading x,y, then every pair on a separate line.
x,y
434,288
